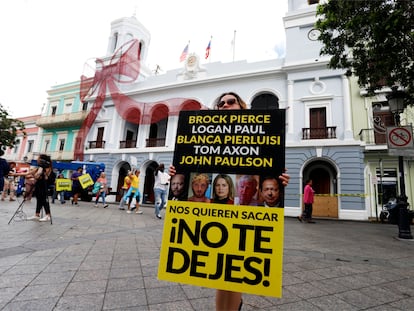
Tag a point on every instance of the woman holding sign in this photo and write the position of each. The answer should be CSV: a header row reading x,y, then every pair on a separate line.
x,y
229,300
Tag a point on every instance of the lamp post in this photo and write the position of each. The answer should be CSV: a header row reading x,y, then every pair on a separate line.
x,y
396,101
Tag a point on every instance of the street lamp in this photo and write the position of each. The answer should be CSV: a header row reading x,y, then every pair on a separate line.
x,y
396,102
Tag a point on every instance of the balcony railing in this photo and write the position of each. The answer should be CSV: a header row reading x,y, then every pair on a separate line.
x,y
62,120
97,144
127,144
370,137
155,142
328,132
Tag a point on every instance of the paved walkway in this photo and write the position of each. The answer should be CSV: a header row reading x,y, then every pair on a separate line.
x,y
105,259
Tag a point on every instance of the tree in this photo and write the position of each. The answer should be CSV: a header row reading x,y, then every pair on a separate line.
x,y
9,128
373,40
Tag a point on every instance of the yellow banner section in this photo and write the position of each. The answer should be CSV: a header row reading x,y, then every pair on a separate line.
x,y
229,247
63,184
86,180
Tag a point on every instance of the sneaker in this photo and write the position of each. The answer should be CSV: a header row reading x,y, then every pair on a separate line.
x,y
106,205
129,212
11,200
96,205
122,208
139,212
46,218
159,216
33,217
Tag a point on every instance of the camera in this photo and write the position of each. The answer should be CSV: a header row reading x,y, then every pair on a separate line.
x,y
44,163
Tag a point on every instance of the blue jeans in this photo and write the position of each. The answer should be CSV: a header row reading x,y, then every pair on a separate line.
x,y
160,199
101,194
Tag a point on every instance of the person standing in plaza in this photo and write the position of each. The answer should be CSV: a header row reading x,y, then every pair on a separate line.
x,y
9,183
45,177
308,198
229,300
76,185
60,193
4,170
160,189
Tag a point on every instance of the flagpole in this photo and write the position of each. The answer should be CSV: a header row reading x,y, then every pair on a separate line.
x,y
234,45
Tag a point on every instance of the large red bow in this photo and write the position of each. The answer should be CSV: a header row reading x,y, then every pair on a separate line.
x,y
123,67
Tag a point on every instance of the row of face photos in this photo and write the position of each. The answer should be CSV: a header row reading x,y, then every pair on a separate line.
x,y
234,189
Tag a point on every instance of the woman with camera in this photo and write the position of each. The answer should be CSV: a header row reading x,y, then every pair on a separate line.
x,y
44,177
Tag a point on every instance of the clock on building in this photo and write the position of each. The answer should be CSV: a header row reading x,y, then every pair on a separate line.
x,y
314,34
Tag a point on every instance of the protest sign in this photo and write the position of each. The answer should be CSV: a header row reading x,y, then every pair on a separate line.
x,y
63,184
85,180
214,240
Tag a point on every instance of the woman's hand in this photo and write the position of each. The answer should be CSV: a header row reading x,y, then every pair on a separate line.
x,y
171,170
284,178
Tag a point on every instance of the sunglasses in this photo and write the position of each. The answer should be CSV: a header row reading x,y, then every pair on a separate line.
x,y
230,102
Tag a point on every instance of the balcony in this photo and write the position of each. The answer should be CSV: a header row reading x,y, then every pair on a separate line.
x,y
328,132
127,144
96,144
155,142
62,120
371,137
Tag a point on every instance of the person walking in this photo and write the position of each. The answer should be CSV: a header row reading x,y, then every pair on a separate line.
x,y
124,190
134,194
103,189
160,189
308,197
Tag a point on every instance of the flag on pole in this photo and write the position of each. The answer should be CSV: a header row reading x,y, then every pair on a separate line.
x,y
184,53
208,48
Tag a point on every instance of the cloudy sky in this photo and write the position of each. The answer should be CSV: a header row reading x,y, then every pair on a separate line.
x,y
47,42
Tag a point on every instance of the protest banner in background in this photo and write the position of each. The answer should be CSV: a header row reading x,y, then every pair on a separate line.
x,y
86,180
226,246
63,184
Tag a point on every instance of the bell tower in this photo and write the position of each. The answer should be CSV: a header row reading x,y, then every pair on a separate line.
x,y
125,29
301,37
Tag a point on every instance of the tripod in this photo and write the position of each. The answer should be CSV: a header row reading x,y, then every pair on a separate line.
x,y
20,215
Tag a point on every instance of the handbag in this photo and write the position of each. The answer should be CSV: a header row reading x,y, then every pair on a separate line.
x,y
96,187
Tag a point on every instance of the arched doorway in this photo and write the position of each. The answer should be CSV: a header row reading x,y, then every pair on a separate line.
x,y
324,177
123,172
266,101
148,195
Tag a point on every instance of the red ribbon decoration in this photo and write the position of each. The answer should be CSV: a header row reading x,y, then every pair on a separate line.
x,y
121,66
124,67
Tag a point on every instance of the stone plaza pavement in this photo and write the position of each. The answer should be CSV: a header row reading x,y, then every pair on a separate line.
x,y
105,259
